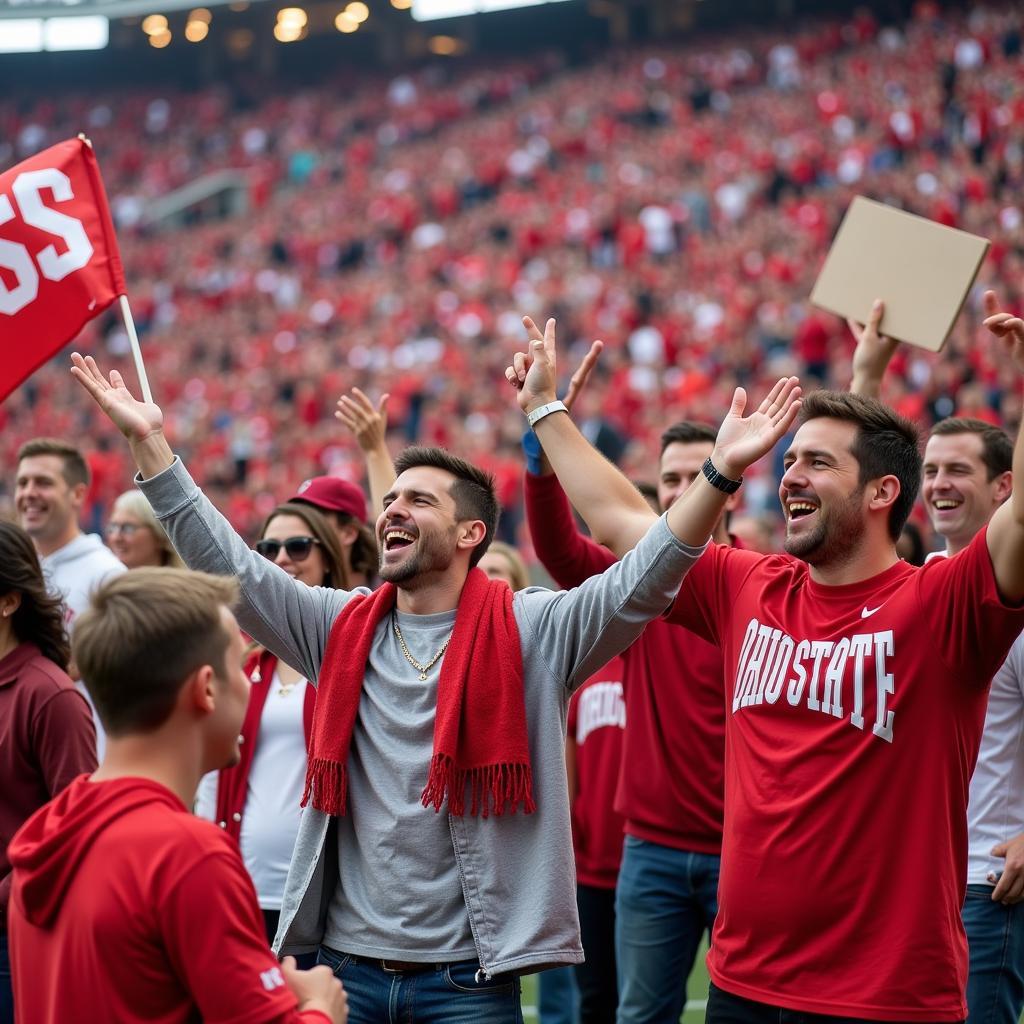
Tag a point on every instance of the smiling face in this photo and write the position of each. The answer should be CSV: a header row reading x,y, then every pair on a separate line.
x,y
822,498
957,492
310,570
418,530
133,541
47,504
681,464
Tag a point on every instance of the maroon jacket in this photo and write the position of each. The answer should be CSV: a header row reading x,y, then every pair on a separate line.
x,y
47,739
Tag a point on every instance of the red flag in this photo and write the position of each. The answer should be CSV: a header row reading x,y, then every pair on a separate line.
x,y
59,264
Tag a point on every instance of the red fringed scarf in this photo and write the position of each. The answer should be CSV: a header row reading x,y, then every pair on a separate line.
x,y
480,722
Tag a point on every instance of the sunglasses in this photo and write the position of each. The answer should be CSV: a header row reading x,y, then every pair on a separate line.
x,y
296,548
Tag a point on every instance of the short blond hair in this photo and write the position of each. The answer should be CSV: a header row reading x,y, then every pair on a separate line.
x,y
520,575
135,504
144,633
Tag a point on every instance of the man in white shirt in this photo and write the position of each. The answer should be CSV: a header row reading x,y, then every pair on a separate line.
x,y
967,477
50,488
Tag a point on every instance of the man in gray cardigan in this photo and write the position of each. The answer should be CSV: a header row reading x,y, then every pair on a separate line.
x,y
437,913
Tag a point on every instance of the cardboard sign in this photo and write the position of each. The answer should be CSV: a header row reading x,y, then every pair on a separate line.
x,y
921,270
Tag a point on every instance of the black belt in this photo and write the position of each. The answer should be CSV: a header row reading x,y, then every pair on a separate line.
x,y
401,966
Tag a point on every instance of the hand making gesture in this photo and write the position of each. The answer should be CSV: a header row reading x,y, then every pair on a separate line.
x,y
742,440
141,422
1009,329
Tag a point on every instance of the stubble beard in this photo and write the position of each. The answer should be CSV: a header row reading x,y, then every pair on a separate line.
x,y
835,539
431,554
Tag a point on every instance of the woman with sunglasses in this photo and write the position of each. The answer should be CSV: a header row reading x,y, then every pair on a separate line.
x,y
257,800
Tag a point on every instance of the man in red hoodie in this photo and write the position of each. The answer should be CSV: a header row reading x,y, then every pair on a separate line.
x,y
126,908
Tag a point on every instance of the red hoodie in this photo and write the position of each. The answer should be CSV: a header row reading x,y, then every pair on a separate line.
x,y
125,908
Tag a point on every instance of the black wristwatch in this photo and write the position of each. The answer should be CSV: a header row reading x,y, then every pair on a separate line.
x,y
716,479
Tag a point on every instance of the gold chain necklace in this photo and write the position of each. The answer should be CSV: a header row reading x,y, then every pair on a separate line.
x,y
286,688
422,669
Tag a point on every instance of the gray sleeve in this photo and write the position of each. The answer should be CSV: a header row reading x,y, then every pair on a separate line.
x,y
574,632
287,617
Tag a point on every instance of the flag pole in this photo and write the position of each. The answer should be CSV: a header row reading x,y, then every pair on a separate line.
x,y
129,324
133,338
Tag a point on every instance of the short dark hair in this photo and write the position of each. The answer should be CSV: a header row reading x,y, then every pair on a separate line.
x,y
473,489
886,444
74,468
144,633
996,446
39,618
688,432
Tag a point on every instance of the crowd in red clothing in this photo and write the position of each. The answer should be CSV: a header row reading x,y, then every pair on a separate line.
x,y
674,200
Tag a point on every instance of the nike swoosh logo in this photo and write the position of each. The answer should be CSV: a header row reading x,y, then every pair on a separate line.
x,y
867,612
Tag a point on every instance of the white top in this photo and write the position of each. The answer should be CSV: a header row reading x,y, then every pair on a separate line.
x,y
995,812
74,572
270,821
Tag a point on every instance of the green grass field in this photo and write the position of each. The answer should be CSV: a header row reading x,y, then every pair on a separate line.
x,y
696,992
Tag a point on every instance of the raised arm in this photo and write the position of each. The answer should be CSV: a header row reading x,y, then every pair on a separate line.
x,y
369,427
613,509
284,615
1005,535
872,355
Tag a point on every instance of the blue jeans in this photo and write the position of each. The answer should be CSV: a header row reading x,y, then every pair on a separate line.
x,y
558,996
665,901
995,938
439,994
6,992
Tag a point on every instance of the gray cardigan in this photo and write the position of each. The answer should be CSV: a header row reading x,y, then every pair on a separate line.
x,y
517,871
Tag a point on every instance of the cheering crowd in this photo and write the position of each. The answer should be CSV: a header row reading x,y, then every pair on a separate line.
x,y
615,191
360,769
385,767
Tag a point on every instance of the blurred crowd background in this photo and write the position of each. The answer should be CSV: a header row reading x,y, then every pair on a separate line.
x,y
674,200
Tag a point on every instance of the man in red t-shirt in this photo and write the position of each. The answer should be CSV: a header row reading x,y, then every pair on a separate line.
x,y
855,688
126,908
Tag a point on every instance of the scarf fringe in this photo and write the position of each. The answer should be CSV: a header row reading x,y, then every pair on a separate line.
x,y
495,788
328,782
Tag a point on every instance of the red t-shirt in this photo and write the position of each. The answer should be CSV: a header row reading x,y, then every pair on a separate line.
x,y
127,909
597,720
854,716
670,784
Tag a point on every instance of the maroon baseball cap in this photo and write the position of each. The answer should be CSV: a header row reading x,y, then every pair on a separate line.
x,y
334,495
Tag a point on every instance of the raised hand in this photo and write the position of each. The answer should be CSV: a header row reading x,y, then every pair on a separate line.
x,y
1009,329
368,424
533,373
136,420
742,440
579,379
873,353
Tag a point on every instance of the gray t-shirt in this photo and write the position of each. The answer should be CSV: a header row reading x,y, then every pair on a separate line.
x,y
387,834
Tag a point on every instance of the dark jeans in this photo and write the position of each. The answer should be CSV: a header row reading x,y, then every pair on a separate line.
x,y
724,1008
599,990
439,994
6,992
558,998
665,901
995,937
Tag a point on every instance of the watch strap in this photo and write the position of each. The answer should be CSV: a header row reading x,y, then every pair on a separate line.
x,y
718,480
534,417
